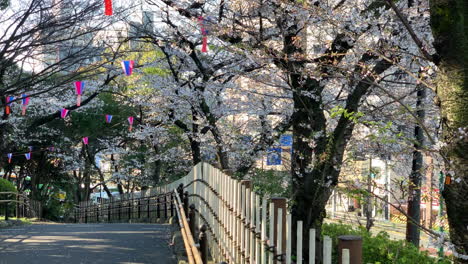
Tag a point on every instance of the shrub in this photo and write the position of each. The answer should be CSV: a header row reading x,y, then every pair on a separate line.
x,y
6,186
380,249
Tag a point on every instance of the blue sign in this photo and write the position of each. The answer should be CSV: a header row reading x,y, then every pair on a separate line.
x,y
286,140
274,156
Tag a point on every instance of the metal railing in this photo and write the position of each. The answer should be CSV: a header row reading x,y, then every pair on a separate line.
x,y
24,206
126,209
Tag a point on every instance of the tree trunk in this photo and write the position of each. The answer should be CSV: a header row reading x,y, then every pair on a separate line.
x,y
414,191
449,21
157,167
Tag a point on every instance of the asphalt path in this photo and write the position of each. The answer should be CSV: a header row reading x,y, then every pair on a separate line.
x,y
86,243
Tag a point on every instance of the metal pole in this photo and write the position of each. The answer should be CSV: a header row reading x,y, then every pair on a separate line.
x,y
441,209
7,209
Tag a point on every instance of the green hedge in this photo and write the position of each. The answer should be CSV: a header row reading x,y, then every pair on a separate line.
x,y
6,186
379,249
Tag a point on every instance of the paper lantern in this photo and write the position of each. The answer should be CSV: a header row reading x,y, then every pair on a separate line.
x,y
8,104
85,140
127,67
79,89
108,7
204,33
204,44
28,155
108,118
63,113
448,179
130,121
24,102
9,155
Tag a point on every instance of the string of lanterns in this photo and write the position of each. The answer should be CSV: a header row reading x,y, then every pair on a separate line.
x,y
127,67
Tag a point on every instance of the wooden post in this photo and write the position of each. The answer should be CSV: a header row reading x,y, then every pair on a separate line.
x,y
345,256
280,203
354,244
299,242
191,219
327,250
311,246
203,241
186,202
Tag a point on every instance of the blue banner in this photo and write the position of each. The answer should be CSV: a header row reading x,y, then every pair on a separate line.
x,y
286,140
274,156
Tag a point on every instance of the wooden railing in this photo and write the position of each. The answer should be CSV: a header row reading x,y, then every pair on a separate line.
x,y
242,226
222,215
24,206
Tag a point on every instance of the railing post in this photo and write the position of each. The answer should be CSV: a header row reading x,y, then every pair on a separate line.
x,y
354,244
165,206
7,213
76,214
191,219
158,208
180,191
109,211
203,241
280,203
97,213
148,200
172,204
130,205
139,208
86,215
186,203
120,210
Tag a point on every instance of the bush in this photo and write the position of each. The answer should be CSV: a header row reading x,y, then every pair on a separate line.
x,y
7,186
380,249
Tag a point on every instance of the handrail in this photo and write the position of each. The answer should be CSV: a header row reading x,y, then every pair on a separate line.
x,y
192,251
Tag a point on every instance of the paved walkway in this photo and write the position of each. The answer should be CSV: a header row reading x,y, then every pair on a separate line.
x,y
86,243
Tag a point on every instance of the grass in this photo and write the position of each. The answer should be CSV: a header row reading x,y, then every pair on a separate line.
x,y
22,220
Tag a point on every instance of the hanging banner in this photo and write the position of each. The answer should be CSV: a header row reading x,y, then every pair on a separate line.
x,y
24,102
130,121
63,113
127,67
108,7
108,118
79,88
274,156
9,155
204,33
8,104
286,140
